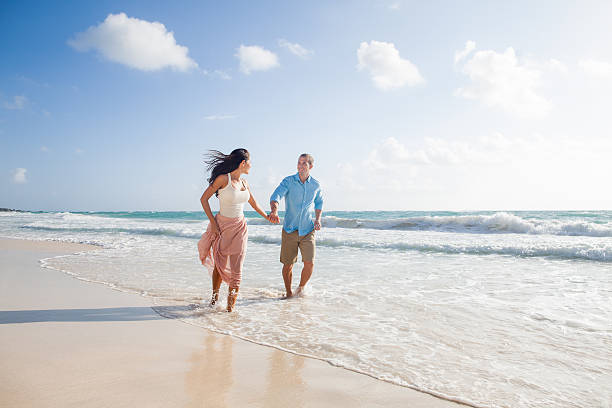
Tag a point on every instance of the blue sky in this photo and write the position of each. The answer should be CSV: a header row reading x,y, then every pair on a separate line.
x,y
405,106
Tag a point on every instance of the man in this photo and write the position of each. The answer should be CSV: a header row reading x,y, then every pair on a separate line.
x,y
303,196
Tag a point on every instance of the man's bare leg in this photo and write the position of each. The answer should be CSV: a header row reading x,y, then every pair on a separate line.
x,y
306,274
288,277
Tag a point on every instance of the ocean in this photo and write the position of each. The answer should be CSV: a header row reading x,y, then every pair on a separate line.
x,y
493,309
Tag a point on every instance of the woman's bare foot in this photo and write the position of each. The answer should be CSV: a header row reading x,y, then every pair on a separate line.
x,y
214,299
231,299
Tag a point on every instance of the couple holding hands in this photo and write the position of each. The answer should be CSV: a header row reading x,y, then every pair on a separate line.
x,y
223,246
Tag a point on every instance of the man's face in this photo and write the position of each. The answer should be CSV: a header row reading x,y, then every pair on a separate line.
x,y
303,167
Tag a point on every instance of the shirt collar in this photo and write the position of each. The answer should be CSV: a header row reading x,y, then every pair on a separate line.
x,y
297,177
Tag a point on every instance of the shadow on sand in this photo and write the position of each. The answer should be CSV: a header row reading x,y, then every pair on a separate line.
x,y
117,314
113,314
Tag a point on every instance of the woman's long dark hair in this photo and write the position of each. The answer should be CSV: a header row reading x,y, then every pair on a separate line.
x,y
218,163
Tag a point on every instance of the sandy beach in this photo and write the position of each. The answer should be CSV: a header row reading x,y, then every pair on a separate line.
x,y
66,342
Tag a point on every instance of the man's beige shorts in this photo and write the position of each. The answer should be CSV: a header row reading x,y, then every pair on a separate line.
x,y
290,244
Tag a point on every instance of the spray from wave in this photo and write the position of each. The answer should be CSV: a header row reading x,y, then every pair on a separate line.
x,y
500,223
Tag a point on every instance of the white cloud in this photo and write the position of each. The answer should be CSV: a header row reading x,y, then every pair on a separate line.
x,y
346,178
255,58
389,166
216,73
391,160
494,170
19,175
394,6
469,47
552,65
31,81
219,117
222,74
391,153
139,44
494,149
387,69
44,149
296,49
79,151
46,113
19,102
556,65
598,69
501,80
273,178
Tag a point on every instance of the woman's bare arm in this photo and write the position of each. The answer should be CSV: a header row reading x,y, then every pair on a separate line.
x,y
220,182
256,206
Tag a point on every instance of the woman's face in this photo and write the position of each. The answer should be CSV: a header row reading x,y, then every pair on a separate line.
x,y
246,166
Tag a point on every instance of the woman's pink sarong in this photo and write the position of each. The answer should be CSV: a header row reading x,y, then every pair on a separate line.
x,y
226,251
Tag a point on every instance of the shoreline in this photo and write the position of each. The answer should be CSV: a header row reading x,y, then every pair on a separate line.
x,y
111,348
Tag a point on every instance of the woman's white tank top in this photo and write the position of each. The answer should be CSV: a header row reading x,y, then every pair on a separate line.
x,y
232,199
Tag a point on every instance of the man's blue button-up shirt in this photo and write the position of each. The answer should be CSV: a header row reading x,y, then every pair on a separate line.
x,y
301,199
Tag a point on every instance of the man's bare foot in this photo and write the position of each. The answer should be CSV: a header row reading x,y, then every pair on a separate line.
x,y
299,291
288,295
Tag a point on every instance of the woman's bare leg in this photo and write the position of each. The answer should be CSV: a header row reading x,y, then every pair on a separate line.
x,y
231,298
216,284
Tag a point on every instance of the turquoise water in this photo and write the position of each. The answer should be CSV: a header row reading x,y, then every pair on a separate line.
x,y
493,309
599,217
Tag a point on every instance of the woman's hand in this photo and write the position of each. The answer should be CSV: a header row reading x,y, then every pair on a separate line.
x,y
272,218
210,190
214,228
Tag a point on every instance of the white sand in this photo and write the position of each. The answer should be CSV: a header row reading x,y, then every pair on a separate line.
x,y
69,343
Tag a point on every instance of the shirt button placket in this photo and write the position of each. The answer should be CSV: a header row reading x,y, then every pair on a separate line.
x,y
303,203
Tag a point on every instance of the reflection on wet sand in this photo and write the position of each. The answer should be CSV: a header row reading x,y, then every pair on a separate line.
x,y
211,377
285,384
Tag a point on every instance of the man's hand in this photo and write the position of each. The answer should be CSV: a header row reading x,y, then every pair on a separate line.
x,y
317,225
273,217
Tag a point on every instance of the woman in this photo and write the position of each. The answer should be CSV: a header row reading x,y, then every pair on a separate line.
x,y
223,246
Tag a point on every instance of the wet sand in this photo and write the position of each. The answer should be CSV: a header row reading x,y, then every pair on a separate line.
x,y
70,343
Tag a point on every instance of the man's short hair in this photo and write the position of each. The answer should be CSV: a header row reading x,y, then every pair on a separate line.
x,y
308,157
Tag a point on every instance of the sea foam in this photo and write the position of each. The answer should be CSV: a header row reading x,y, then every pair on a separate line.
x,y
501,222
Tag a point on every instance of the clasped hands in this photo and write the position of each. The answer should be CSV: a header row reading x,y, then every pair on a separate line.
x,y
273,218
